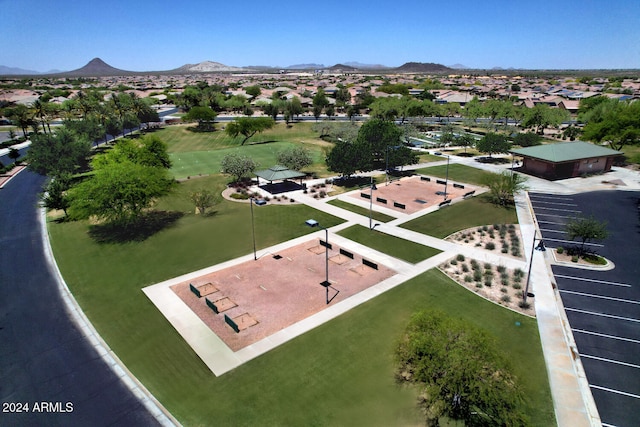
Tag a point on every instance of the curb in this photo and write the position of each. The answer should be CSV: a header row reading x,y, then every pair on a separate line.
x,y
154,407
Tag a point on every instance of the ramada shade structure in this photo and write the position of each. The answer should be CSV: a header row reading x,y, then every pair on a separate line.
x,y
279,173
566,159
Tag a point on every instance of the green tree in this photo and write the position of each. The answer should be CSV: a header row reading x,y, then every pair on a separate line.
x,y
377,136
253,90
205,117
119,192
586,229
14,154
527,139
503,186
542,116
346,158
295,158
58,153
460,372
615,122
248,126
238,166
55,193
493,143
203,199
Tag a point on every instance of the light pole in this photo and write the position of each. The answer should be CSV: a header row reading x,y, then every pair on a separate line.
x,y
446,181
541,248
313,223
371,188
253,230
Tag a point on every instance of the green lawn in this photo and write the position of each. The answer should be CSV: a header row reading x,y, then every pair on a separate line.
x,y
377,216
341,373
459,216
313,380
200,153
457,172
409,251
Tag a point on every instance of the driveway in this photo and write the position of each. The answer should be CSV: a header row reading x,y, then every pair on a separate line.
x,y
603,307
44,356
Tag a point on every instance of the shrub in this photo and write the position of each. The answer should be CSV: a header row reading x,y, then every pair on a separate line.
x,y
478,284
477,276
516,285
505,250
506,299
504,290
560,249
501,269
505,282
468,278
465,268
490,246
460,257
496,227
574,258
524,305
485,228
518,272
453,262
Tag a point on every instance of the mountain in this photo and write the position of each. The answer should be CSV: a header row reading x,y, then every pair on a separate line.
x,y
459,67
14,71
422,67
97,68
305,67
206,67
359,65
341,67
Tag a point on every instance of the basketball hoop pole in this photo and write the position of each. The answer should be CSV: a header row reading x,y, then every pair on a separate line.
x,y
326,284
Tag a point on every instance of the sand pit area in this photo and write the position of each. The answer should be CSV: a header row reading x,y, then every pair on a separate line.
x,y
264,296
413,194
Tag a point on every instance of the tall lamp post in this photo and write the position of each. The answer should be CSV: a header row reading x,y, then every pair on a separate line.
x,y
541,248
253,230
446,181
371,188
313,223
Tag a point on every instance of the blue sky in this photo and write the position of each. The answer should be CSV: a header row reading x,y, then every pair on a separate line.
x,y
142,35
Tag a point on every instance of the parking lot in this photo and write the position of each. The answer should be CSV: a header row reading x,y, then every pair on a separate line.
x,y
603,307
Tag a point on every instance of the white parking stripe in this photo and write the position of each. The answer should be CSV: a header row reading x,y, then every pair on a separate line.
x,y
552,231
554,215
551,222
555,203
613,337
584,279
555,209
615,391
611,316
539,196
575,243
583,294
617,362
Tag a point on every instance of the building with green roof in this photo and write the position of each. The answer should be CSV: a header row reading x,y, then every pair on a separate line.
x,y
566,159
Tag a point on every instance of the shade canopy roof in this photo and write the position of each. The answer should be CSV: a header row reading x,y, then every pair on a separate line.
x,y
565,151
278,173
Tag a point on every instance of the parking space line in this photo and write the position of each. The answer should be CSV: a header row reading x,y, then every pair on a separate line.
x,y
583,294
613,337
611,316
555,203
624,393
561,210
584,279
617,362
552,231
549,197
554,215
575,243
551,222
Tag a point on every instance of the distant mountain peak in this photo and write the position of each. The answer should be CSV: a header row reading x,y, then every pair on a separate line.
x,y
206,67
97,68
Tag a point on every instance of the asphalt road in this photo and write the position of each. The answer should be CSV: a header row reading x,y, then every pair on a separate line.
x,y
603,307
43,355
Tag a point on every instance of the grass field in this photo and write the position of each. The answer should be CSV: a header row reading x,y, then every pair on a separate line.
x,y
457,172
200,153
340,373
468,213
409,251
377,216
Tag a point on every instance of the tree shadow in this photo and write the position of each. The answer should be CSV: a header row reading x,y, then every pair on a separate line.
x,y
135,231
